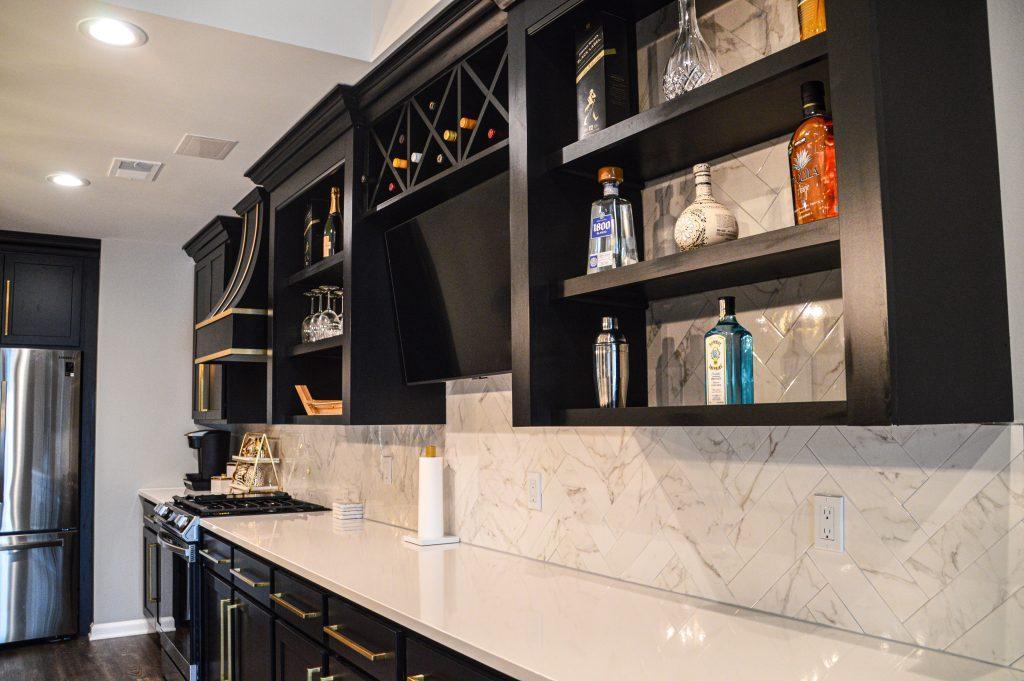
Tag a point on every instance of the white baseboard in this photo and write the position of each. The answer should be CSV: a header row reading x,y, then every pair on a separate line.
x,y
98,632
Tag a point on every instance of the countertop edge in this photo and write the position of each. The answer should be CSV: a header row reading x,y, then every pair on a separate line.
x,y
482,656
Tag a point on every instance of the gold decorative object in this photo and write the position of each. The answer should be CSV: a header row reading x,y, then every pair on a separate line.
x,y
255,466
318,407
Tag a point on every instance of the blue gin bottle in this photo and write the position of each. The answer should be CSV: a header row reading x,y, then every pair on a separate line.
x,y
728,359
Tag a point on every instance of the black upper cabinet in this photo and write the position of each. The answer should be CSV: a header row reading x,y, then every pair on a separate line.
x,y
42,299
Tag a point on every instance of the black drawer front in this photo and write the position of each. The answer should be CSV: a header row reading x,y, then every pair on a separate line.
x,y
429,662
339,670
364,640
216,555
299,603
252,576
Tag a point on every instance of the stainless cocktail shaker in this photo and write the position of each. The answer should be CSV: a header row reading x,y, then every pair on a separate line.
x,y
611,364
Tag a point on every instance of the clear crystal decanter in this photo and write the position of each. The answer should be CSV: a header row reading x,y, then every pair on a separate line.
x,y
692,62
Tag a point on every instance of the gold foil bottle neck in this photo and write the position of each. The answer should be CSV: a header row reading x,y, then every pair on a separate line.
x,y
430,452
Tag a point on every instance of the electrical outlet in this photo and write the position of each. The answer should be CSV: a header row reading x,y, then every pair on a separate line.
x,y
534,491
387,470
828,523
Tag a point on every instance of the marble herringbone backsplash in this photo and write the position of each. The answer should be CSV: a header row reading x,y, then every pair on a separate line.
x,y
934,514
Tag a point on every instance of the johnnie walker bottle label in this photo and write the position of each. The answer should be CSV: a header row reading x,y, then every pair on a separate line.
x,y
728,359
612,239
603,66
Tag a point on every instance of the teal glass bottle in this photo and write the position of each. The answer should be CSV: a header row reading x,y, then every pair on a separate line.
x,y
728,359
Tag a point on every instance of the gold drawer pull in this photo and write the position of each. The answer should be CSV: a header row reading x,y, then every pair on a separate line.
x,y
237,572
213,557
333,632
279,599
314,670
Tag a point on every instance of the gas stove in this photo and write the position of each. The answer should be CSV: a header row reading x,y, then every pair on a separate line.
x,y
182,514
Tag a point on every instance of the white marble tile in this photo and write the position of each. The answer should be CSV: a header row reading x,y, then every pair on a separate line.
x,y
880,450
827,608
998,636
794,590
783,548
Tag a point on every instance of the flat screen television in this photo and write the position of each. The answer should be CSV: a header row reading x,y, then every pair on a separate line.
x,y
451,286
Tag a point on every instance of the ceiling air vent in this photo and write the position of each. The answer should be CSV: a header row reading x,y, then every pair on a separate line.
x,y
134,169
204,147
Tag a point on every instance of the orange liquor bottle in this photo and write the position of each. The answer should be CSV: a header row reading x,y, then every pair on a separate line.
x,y
812,159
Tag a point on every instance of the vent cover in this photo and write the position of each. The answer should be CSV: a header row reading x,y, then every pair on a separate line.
x,y
134,169
204,147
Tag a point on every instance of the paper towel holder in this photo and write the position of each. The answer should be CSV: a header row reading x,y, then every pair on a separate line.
x,y
431,488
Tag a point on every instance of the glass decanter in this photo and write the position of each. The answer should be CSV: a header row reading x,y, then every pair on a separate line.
x,y
692,63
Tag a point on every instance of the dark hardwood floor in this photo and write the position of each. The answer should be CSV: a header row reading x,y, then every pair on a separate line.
x,y
117,659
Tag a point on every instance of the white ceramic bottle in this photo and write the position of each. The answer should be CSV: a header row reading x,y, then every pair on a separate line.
x,y
705,221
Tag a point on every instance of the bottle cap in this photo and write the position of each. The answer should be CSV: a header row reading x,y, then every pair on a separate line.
x,y
609,174
430,452
702,173
609,323
812,93
726,306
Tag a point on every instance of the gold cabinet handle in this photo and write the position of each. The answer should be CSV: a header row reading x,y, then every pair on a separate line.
x,y
333,632
7,307
237,572
223,625
231,664
279,599
202,388
213,557
313,670
154,595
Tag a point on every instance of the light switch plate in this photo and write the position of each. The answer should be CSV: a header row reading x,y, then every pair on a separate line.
x,y
828,523
534,491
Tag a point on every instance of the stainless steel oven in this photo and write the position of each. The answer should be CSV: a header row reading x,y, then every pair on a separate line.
x,y
171,582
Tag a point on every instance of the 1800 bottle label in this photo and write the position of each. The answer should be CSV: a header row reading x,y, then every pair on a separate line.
x,y
716,374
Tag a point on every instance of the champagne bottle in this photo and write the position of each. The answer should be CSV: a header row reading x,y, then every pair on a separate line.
x,y
332,230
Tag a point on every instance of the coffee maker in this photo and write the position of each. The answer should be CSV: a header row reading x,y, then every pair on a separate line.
x,y
213,452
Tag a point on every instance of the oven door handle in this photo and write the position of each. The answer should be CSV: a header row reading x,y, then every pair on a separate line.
x,y
173,548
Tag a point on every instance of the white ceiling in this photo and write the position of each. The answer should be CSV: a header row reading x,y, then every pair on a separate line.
x,y
69,103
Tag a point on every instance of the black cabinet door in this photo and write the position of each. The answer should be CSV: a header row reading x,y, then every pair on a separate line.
x,y
296,658
42,299
251,640
216,598
150,575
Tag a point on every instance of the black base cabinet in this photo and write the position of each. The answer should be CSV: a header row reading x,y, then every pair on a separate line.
x,y
287,629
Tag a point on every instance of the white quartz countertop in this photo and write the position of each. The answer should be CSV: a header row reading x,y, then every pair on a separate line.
x,y
541,622
161,495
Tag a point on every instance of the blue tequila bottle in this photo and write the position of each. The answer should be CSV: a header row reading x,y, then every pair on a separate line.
x,y
728,359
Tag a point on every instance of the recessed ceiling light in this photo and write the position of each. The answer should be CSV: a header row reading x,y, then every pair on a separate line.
x,y
113,32
67,180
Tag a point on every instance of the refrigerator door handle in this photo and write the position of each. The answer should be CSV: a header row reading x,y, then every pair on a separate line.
x,y
3,437
33,545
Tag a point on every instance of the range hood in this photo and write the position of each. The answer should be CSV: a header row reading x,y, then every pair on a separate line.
x,y
235,329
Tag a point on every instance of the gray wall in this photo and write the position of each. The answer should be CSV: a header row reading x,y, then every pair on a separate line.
x,y
143,393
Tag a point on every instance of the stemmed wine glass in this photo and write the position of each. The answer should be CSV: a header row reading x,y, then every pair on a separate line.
x,y
307,322
328,322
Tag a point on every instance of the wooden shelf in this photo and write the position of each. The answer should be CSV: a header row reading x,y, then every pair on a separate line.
x,y
327,271
781,253
777,414
303,419
319,346
746,107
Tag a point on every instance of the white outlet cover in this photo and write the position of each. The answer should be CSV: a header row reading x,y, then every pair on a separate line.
x,y
534,491
829,532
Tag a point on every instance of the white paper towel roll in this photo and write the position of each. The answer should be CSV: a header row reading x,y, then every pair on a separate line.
x,y
431,498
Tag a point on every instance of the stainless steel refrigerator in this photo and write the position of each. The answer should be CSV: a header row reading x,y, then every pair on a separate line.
x,y
40,406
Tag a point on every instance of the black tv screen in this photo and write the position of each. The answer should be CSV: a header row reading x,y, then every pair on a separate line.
x,y
450,279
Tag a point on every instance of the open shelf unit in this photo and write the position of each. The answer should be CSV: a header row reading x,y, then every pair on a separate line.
x,y
900,304
324,347
325,271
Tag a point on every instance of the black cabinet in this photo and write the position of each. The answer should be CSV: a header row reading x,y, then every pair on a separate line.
x,y
215,598
250,640
296,658
42,298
